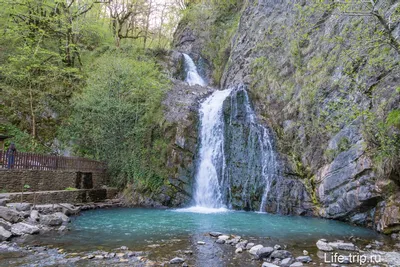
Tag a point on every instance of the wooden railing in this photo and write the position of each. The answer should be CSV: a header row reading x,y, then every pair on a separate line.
x,y
32,161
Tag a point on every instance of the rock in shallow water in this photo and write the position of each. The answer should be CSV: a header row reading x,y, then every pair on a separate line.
x,y
215,234
323,245
223,237
55,219
343,246
176,261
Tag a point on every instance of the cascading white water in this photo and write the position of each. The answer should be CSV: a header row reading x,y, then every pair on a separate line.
x,y
268,157
192,75
207,194
248,142
270,166
211,153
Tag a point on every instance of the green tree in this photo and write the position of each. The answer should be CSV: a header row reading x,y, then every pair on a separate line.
x,y
41,65
117,118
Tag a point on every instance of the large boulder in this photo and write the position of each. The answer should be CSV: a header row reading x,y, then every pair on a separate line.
x,y
242,244
24,229
4,234
6,225
54,219
343,246
254,249
264,252
324,246
3,202
10,215
69,209
20,206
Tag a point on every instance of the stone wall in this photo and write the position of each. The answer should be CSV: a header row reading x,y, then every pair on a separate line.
x,y
39,180
55,197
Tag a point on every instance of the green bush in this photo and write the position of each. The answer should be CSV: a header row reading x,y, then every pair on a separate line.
x,y
118,118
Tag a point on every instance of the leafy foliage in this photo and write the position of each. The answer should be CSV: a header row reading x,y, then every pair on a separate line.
x,y
118,117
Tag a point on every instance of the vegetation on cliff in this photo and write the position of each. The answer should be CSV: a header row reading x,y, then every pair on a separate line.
x,y
81,77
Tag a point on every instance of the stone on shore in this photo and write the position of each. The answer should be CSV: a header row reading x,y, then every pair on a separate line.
x,y
3,202
304,259
343,246
323,245
264,252
220,241
280,254
296,264
267,264
223,237
249,245
24,229
20,206
254,249
176,261
242,245
54,219
233,241
6,225
286,262
239,250
10,215
215,234
4,234
34,216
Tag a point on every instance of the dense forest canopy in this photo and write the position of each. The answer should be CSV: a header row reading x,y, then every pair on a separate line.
x,y
47,49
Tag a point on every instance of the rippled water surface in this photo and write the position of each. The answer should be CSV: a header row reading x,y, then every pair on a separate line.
x,y
110,228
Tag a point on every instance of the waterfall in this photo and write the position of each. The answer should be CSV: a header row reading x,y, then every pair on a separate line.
x,y
236,160
192,75
257,149
211,153
270,166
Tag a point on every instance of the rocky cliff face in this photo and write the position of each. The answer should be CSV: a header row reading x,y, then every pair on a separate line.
x,y
254,177
322,82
